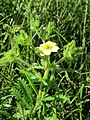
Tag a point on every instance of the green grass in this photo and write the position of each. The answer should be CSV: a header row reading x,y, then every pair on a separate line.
x,y
33,87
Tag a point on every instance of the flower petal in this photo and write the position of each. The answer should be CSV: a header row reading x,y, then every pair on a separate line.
x,y
55,49
47,52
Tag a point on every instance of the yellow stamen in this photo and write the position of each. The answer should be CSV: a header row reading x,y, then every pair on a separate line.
x,y
47,47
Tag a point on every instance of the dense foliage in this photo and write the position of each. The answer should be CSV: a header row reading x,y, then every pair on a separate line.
x,y
65,88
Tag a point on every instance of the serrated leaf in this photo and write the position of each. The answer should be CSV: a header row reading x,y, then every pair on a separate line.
x,y
18,96
26,90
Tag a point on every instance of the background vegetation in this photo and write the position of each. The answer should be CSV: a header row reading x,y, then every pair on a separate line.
x,y
24,25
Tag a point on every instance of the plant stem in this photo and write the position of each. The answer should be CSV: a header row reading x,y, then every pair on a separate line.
x,y
23,62
37,102
60,61
41,86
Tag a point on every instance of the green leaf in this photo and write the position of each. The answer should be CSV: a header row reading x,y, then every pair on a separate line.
x,y
19,97
48,98
29,76
22,38
9,57
6,105
32,84
37,23
69,50
26,90
54,114
49,29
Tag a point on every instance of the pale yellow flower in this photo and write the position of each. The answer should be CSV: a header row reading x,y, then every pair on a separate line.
x,y
48,47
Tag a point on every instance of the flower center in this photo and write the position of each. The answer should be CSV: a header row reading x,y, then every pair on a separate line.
x,y
47,47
